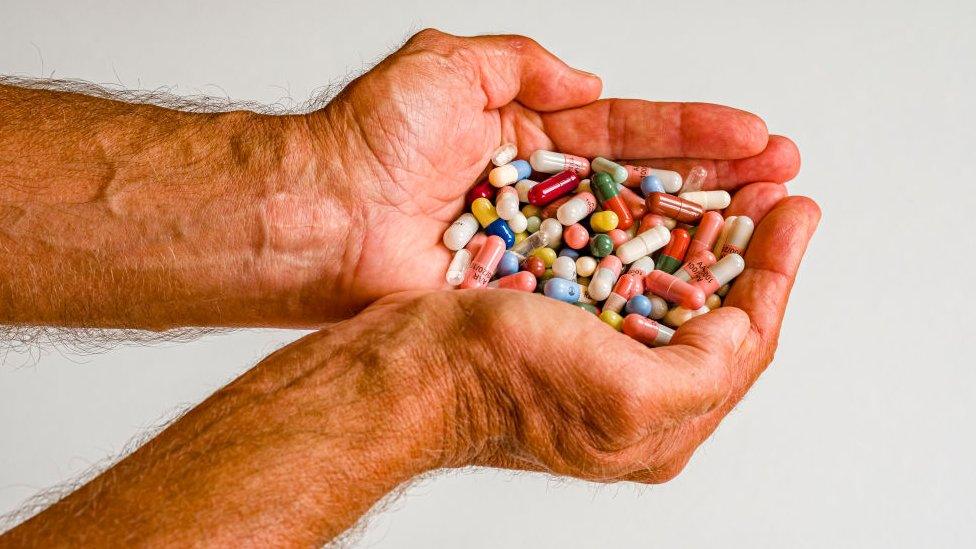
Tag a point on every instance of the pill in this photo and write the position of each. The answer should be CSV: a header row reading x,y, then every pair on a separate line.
x,y
574,210
509,264
531,210
679,209
612,319
618,237
538,239
607,193
522,188
532,223
459,264
576,236
570,253
644,244
552,208
584,186
588,307
639,304
564,267
695,266
535,266
507,203
695,179
642,266
554,229
518,223
504,154
715,276
481,190
585,266
627,286
484,211
523,281
554,162
509,173
554,187
646,330
675,290
713,302
722,235
723,291
601,246
659,307
709,200
603,222
706,234
669,179
604,278
616,171
651,184
673,254
460,232
562,289
482,267
738,237
677,316
547,255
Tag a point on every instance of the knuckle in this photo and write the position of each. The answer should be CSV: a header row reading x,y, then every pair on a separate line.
x,y
426,37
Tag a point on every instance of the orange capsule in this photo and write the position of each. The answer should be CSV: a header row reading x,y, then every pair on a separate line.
x,y
576,236
633,200
483,265
695,266
674,289
523,281
674,253
679,209
708,228
646,330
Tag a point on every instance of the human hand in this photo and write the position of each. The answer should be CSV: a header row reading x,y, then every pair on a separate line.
x,y
415,133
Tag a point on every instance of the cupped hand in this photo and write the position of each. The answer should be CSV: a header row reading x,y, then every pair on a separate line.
x,y
536,384
415,133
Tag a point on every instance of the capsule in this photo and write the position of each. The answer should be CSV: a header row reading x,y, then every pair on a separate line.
x,y
509,173
460,232
538,239
612,319
555,231
627,286
522,281
714,277
518,223
570,253
575,209
457,268
562,289
584,298
484,211
674,289
522,188
565,267
481,190
585,266
507,203
695,180
554,162
576,236
674,253
646,330
642,267
651,184
676,208
695,265
634,201
644,244
549,190
482,267
722,235
649,221
677,316
669,179
509,264
609,196
601,246
738,236
706,234
659,307
604,278
616,171
604,222
709,200
639,304
504,154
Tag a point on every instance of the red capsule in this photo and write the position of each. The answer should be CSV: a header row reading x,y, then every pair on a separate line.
x,y
708,230
675,290
523,281
695,266
616,204
679,209
481,190
677,247
483,265
634,202
627,286
556,186
646,330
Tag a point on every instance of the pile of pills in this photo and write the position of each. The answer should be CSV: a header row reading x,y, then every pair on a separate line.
x,y
571,236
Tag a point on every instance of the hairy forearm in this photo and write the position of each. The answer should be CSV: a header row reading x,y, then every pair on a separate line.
x,y
293,452
115,214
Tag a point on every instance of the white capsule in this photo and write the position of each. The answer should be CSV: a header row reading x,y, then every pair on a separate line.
x,y
709,200
459,264
644,244
523,187
695,180
604,278
642,267
670,223
564,267
722,235
669,179
659,307
727,268
460,232
736,240
507,203
504,154
576,208
554,162
518,223
585,266
679,315
553,229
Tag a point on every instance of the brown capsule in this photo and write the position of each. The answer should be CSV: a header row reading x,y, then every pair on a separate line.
x,y
684,211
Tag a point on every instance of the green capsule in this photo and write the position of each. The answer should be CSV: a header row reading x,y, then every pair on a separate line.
x,y
667,264
601,246
586,307
603,187
616,171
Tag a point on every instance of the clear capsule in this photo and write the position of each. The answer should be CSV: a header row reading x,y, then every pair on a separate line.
x,y
695,180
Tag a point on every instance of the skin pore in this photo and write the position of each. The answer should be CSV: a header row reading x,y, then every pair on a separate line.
x,y
115,214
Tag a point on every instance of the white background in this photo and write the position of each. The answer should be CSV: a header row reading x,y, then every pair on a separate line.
x,y
859,435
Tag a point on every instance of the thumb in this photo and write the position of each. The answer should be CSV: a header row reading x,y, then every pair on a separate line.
x,y
711,339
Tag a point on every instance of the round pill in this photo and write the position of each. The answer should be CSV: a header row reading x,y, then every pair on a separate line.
x,y
585,266
576,236
612,319
535,266
547,255
604,221
639,304
601,246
